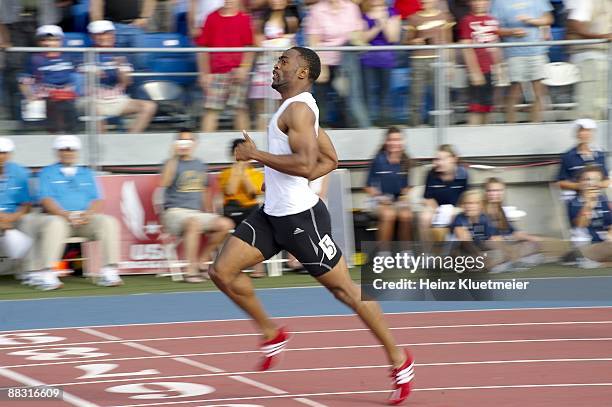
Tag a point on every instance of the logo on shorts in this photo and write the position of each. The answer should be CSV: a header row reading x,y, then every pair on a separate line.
x,y
297,231
328,246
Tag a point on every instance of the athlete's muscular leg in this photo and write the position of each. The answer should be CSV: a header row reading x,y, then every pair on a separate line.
x,y
339,282
227,275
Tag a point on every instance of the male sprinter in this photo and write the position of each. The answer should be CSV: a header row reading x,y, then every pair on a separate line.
x,y
293,217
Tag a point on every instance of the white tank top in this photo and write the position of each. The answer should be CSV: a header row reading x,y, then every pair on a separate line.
x,y
287,194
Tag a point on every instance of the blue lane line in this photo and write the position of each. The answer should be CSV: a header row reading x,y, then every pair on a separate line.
x,y
200,306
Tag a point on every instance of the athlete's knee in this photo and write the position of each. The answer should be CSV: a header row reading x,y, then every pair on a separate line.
x,y
346,294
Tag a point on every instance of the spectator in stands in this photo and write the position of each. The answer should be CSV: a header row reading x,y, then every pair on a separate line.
x,y
20,22
522,21
188,206
130,17
406,8
111,99
577,158
459,9
51,77
15,197
276,29
591,19
444,184
224,76
332,23
197,13
480,28
472,224
72,201
591,219
430,26
383,28
388,185
521,248
241,185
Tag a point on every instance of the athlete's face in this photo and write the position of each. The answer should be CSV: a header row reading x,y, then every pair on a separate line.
x,y
585,136
444,162
495,192
394,143
288,69
472,206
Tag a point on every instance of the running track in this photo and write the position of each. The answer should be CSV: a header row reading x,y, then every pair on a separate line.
x,y
533,356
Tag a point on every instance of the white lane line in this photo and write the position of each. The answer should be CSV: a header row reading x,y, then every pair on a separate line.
x,y
342,393
520,341
602,307
262,386
337,368
28,381
199,365
309,402
114,339
146,348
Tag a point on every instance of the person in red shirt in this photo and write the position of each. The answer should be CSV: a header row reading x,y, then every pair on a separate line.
x,y
224,75
480,28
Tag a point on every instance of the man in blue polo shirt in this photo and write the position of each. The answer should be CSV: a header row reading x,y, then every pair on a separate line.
x,y
591,218
70,197
576,159
15,198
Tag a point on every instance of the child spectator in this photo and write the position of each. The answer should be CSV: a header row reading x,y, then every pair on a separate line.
x,y
383,28
430,26
473,225
591,219
51,77
224,76
479,28
388,185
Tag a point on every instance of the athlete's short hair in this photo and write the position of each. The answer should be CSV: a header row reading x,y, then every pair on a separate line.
x,y
313,62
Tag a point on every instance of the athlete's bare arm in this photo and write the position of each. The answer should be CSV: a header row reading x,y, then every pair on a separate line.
x,y
297,121
327,161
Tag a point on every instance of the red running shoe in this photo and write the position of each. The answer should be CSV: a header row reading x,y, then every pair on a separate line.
x,y
272,348
402,376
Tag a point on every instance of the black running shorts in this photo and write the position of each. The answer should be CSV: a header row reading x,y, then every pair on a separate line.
x,y
306,235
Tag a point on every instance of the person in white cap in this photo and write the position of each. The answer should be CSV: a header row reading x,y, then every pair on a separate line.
x,y
71,200
577,158
111,99
51,77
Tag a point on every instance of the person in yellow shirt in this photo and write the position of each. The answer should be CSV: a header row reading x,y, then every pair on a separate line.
x,y
241,185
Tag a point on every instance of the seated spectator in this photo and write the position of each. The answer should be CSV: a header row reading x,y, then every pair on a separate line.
x,y
591,219
383,28
50,77
574,160
241,185
15,197
332,23
130,17
224,76
522,21
590,19
480,28
72,201
444,184
276,30
430,26
388,184
521,247
188,206
111,99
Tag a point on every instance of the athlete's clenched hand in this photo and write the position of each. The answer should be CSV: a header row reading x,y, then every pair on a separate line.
x,y
244,151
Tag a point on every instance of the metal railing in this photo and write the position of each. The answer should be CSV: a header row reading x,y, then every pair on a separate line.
x,y
441,113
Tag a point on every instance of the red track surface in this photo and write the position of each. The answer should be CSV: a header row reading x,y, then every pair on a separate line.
x,y
537,357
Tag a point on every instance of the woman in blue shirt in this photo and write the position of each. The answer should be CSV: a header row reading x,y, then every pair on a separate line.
x,y
388,185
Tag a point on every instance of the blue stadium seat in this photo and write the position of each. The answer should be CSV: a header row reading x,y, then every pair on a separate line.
x,y
166,62
558,53
76,40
